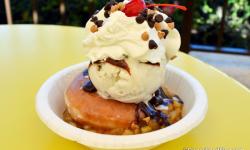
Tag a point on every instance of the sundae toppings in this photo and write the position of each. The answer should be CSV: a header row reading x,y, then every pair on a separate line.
x,y
161,111
145,36
128,46
152,44
118,63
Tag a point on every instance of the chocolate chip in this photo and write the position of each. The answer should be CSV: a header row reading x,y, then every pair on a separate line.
x,y
166,33
107,7
151,24
152,44
144,12
99,23
94,18
159,18
139,19
168,20
150,17
106,14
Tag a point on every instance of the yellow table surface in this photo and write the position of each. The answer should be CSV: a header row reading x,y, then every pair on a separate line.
x,y
29,54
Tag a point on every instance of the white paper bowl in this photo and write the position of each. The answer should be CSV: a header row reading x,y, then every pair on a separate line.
x,y
50,106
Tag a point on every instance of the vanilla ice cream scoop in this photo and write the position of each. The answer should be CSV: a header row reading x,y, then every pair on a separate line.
x,y
128,54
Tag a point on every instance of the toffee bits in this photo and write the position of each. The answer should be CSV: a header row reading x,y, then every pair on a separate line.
x,y
161,34
157,26
94,28
145,36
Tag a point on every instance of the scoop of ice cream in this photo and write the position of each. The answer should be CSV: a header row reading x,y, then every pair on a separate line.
x,y
130,86
128,55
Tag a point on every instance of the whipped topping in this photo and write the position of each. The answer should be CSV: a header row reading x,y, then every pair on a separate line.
x,y
120,36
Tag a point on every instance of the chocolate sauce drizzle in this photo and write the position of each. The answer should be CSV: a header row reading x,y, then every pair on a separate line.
x,y
119,63
149,63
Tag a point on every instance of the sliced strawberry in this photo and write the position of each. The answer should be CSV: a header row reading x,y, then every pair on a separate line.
x,y
134,7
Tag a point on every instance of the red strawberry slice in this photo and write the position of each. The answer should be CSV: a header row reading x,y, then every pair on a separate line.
x,y
134,7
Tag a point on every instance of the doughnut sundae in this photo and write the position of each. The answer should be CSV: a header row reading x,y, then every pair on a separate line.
x,y
122,92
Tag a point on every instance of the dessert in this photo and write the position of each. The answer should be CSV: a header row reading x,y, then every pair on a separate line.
x,y
123,91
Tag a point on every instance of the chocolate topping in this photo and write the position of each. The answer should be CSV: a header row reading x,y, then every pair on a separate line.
x,y
139,19
151,21
159,18
151,24
152,44
106,14
119,63
149,63
150,17
94,18
166,33
99,23
144,13
107,7
168,20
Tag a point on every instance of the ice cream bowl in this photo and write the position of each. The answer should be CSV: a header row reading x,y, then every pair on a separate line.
x,y
50,107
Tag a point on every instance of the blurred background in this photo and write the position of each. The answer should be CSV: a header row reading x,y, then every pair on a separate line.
x,y
215,31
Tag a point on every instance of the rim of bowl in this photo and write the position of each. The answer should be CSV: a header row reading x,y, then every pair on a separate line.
x,y
192,119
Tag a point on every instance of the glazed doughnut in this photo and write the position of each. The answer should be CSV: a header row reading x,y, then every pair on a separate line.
x,y
91,109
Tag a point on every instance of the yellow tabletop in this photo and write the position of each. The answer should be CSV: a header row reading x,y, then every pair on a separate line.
x,y
29,54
